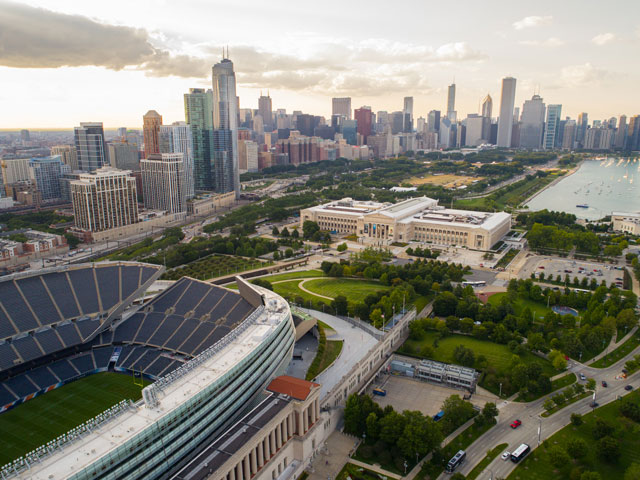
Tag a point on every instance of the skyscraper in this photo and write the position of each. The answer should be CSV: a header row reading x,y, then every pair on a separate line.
x,y
407,115
451,103
47,173
552,126
225,128
341,106
68,155
583,124
177,138
569,135
364,119
433,121
633,133
487,109
265,109
151,122
90,150
198,106
474,131
621,134
163,179
505,122
124,156
532,122
104,199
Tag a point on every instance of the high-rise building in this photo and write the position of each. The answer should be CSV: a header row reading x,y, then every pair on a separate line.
x,y
104,199
407,115
633,133
151,122
487,110
451,103
552,126
265,110
475,125
15,170
163,179
583,124
569,135
621,134
47,173
247,156
350,131
505,122
123,156
364,119
396,122
225,128
445,132
90,149
532,123
198,106
68,154
341,106
25,136
177,138
433,121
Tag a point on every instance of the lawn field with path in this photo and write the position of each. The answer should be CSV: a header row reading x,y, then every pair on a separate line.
x,y
355,289
37,421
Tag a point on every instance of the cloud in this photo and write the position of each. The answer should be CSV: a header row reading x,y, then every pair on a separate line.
x,y
583,75
532,21
33,37
549,42
603,39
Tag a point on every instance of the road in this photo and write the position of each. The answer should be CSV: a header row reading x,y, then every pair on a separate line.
x,y
529,414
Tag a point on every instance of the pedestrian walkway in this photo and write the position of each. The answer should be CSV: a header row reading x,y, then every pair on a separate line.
x,y
332,456
613,345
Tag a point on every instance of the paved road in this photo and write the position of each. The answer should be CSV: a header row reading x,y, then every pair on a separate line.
x,y
529,414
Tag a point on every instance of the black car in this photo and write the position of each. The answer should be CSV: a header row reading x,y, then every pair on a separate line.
x,y
604,384
628,387
594,404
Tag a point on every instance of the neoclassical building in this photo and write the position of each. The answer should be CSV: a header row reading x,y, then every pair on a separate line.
x,y
416,219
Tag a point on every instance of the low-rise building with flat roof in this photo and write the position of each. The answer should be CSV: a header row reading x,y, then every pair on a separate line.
x,y
626,222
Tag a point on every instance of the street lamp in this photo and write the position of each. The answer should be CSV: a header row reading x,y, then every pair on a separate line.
x,y
405,467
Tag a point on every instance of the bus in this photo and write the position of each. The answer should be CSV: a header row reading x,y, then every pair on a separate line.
x,y
456,461
479,283
520,452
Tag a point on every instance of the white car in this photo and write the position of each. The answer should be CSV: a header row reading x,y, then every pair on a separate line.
x,y
505,456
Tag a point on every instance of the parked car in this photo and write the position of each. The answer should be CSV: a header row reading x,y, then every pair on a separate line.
x,y
541,267
628,388
505,456
516,424
604,384
582,377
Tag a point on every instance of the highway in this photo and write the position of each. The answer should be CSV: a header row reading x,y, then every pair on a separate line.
x,y
529,414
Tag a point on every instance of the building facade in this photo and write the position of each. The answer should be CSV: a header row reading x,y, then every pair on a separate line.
x,y
151,123
507,101
552,127
341,106
532,123
104,199
68,154
626,222
163,177
90,147
198,105
124,156
47,172
177,138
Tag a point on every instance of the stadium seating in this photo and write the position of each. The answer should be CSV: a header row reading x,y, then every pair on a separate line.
x,y
6,397
69,334
27,348
170,296
84,363
108,285
8,356
60,288
39,299
6,328
84,285
21,386
48,340
87,326
63,370
157,367
42,377
15,306
102,356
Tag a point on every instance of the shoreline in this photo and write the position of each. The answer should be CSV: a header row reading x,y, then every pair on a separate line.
x,y
557,180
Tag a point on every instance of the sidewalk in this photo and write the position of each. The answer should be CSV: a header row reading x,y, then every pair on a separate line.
x,y
613,345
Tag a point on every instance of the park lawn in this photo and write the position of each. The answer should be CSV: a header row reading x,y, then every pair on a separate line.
x,y
537,467
355,289
537,309
421,302
498,356
484,463
557,384
47,416
290,290
624,349
292,275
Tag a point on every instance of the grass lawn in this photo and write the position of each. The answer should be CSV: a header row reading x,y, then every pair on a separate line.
x,y
291,275
484,463
422,302
37,421
497,355
354,289
557,384
624,349
537,466
289,289
537,309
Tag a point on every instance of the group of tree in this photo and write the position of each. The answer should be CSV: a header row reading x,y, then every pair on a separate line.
x,y
311,231
561,398
554,237
422,252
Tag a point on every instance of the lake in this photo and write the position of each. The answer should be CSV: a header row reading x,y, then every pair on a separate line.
x,y
610,185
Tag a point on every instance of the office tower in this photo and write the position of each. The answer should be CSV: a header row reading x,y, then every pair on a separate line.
x,y
621,134
25,136
516,115
163,179
104,199
396,122
532,123
15,170
341,106
124,156
569,135
407,115
583,124
475,130
306,124
451,103
68,155
552,126
151,122
198,106
633,133
487,109
445,132
225,128
47,173
350,131
505,121
121,132
433,121
247,156
177,138
90,149
364,119
265,110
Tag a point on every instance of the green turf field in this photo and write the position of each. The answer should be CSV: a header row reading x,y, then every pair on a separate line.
x,y
537,309
355,289
37,421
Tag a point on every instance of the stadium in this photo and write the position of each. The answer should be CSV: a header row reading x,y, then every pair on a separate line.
x,y
210,352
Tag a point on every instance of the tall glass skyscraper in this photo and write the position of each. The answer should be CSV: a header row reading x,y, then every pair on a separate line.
x,y
552,127
505,122
89,140
198,113
225,128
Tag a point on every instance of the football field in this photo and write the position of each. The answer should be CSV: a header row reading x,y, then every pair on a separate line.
x,y
37,421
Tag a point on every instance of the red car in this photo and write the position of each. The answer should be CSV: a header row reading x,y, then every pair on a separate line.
x,y
516,424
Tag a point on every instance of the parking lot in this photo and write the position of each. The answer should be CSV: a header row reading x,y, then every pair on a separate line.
x,y
405,393
574,268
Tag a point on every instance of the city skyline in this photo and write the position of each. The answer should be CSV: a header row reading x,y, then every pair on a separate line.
x,y
573,56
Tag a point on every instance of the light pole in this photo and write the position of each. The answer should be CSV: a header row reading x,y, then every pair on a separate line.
x,y
405,467
500,393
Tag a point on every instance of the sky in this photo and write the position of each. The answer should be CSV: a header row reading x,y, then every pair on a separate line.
x,y
66,62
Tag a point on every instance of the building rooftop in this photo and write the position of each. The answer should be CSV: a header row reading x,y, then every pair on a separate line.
x,y
291,386
447,216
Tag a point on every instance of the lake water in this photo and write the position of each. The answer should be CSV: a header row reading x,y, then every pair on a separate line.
x,y
611,185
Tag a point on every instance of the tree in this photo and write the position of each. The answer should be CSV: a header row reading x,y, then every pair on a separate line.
x,y
275,231
340,305
590,476
456,411
458,476
376,318
391,427
601,429
490,412
420,435
284,232
373,428
464,355
577,448
295,234
309,228
558,456
548,404
633,472
609,449
591,384
288,253
576,419
559,363
276,255
445,304
342,247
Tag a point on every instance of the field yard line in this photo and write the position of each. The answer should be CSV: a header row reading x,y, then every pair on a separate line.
x,y
301,287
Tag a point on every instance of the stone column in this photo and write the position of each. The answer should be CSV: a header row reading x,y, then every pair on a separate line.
x,y
260,455
267,448
305,420
254,461
272,440
232,474
246,468
278,434
239,471
290,425
317,407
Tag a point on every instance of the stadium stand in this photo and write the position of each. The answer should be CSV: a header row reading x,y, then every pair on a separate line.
x,y
6,397
39,299
69,334
8,356
63,370
20,385
58,284
84,363
27,348
42,377
48,340
102,356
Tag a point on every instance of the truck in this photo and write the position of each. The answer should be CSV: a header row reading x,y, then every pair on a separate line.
x,y
438,416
